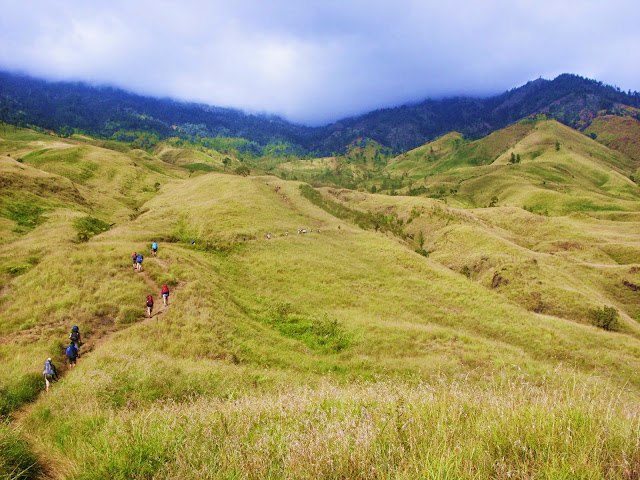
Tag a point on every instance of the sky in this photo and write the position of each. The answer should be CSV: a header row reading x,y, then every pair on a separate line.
x,y
314,62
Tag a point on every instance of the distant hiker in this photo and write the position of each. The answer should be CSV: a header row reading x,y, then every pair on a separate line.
x,y
74,336
139,260
268,236
154,248
72,354
165,294
50,373
135,259
149,305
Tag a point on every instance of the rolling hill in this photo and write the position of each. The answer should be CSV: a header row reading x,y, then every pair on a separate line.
x,y
338,353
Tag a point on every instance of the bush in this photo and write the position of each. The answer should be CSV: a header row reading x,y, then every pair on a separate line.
x,y
89,226
605,317
242,170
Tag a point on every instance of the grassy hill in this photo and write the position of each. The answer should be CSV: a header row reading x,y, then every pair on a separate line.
x,y
542,166
339,353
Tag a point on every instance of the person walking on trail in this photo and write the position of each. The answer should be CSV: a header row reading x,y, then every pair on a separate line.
x,y
135,260
72,354
50,373
154,248
139,260
165,294
75,337
149,305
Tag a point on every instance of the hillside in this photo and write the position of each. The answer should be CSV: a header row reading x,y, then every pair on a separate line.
x,y
339,353
114,114
541,166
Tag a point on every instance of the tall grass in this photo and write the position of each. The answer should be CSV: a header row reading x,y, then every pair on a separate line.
x,y
508,427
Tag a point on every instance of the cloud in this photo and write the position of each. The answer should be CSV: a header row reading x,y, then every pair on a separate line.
x,y
314,61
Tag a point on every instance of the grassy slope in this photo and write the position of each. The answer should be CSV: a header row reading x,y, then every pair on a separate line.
x,y
619,133
334,354
581,176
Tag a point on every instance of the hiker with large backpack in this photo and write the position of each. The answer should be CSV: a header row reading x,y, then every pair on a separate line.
x,y
149,305
154,248
50,373
165,294
72,354
74,336
139,260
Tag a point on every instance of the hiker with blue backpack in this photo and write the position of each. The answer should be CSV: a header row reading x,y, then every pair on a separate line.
x,y
50,373
72,354
154,248
139,260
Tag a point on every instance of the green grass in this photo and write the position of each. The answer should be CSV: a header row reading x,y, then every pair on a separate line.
x,y
17,461
341,353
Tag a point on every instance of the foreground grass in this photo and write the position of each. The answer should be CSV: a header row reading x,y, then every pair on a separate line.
x,y
508,427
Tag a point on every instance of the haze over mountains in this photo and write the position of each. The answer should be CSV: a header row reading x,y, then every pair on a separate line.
x,y
108,112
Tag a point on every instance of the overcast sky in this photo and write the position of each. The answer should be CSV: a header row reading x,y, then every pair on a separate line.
x,y
317,61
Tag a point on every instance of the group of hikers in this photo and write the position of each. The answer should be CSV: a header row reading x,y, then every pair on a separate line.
x,y
137,264
72,351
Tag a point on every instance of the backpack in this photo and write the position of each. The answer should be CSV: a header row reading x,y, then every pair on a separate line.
x,y
74,337
71,351
139,259
154,245
149,301
165,289
47,369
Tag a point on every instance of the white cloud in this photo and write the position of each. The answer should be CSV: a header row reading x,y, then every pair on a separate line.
x,y
315,61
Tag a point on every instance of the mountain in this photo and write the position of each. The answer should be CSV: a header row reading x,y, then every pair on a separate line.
x,y
113,113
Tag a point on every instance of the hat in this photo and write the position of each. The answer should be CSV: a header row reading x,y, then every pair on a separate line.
x,y
48,359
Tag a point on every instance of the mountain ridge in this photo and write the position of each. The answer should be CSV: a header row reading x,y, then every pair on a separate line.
x,y
106,112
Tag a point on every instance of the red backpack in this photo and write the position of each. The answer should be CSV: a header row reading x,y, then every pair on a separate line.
x,y
149,301
165,289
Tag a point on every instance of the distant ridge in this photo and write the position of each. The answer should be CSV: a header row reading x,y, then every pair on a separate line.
x,y
105,111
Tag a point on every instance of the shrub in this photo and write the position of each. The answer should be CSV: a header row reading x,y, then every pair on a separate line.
x,y
466,271
89,226
242,170
605,317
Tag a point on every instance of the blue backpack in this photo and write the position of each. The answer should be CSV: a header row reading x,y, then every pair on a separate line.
x,y
154,245
139,259
47,369
72,351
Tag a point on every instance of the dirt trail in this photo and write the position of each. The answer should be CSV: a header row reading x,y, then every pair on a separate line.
x,y
53,468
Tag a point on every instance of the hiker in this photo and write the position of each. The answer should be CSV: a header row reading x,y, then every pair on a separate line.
x,y
149,305
268,236
74,336
139,260
165,294
72,354
154,248
50,373
135,259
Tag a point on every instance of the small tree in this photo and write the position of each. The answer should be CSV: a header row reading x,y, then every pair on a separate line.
x,y
557,145
226,162
513,158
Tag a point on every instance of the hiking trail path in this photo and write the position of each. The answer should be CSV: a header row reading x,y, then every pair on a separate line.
x,y
52,468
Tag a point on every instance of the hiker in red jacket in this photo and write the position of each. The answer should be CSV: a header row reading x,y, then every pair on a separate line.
x,y
165,294
149,305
